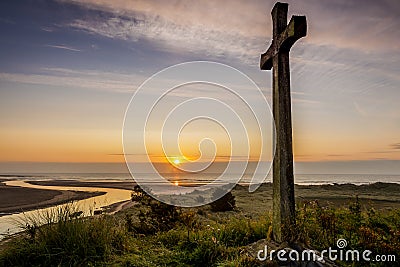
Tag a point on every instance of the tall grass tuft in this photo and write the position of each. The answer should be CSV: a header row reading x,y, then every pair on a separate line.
x,y
62,237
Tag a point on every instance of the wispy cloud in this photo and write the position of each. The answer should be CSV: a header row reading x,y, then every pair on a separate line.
x,y
377,152
243,28
87,79
336,155
63,46
360,110
305,101
171,36
47,29
395,146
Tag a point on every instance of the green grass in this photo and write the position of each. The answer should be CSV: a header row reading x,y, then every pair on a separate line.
x,y
194,237
64,240
206,245
377,231
222,240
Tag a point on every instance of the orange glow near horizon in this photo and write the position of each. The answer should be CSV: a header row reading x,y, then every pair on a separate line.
x,y
59,145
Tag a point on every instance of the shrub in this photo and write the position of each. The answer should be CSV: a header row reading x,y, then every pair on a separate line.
x,y
320,227
161,216
225,203
139,195
154,216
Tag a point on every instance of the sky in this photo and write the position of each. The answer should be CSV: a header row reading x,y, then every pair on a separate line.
x,y
68,70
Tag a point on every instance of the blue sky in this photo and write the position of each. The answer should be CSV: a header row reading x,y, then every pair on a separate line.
x,y
69,68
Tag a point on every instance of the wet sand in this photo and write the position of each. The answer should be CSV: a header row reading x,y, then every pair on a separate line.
x,y
15,199
75,183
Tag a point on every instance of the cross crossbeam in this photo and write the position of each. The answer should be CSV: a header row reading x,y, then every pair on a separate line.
x,y
296,29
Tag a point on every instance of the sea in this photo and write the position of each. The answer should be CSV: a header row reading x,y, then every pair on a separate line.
x,y
191,179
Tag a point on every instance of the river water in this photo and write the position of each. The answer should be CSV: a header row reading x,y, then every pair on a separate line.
x,y
8,223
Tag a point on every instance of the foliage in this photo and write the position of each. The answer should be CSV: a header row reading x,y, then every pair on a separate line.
x,y
216,242
139,195
157,216
225,203
153,215
320,227
64,240
187,237
220,240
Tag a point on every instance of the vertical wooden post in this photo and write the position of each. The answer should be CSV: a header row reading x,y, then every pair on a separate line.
x,y
277,57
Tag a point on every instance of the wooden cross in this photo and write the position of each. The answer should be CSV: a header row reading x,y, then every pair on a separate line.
x,y
277,57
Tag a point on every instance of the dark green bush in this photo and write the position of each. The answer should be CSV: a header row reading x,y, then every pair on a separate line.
x,y
153,215
225,203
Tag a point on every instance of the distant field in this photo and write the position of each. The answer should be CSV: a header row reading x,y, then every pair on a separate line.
x,y
378,195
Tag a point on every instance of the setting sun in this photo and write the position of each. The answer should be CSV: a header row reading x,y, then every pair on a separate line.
x,y
176,183
177,161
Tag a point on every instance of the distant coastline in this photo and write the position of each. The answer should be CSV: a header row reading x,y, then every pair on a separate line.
x,y
300,179
16,199
380,194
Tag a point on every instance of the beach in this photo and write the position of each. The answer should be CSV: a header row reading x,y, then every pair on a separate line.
x,y
376,195
102,184
14,199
